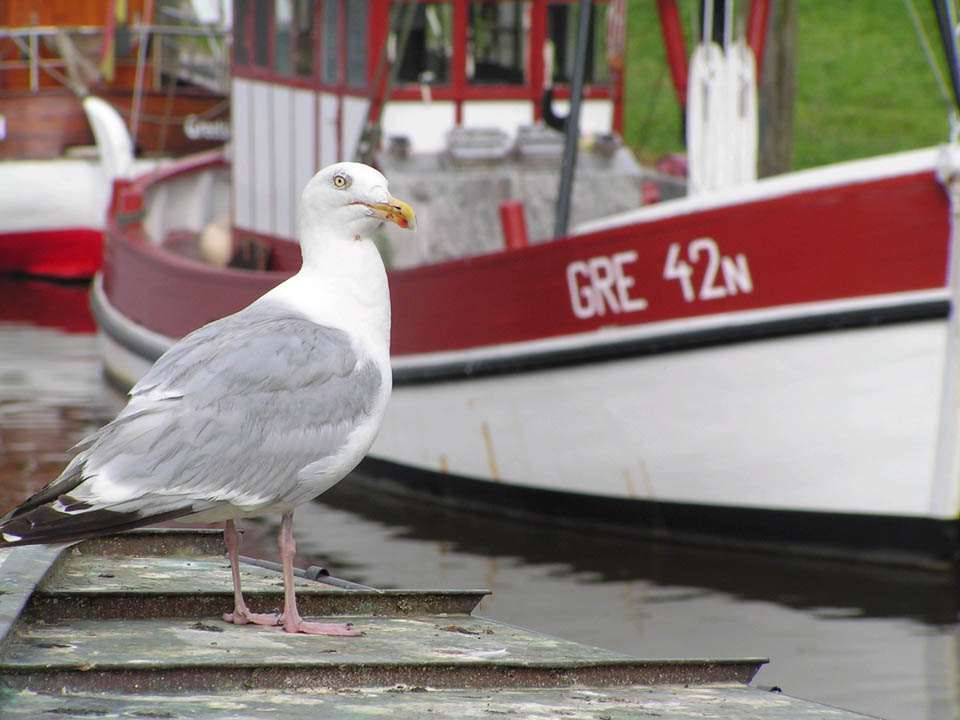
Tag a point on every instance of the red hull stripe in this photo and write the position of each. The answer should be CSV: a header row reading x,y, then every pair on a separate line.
x,y
854,241
832,244
61,253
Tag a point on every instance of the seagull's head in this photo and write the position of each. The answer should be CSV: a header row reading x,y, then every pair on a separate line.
x,y
353,199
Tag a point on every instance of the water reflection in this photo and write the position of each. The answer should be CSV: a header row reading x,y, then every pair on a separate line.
x,y
830,589
878,640
52,392
873,639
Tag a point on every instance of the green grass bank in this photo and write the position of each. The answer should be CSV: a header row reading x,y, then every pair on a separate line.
x,y
863,84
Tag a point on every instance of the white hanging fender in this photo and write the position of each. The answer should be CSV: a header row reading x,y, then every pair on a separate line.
x,y
112,138
721,111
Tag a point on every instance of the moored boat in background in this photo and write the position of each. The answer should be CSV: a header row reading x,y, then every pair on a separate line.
x,y
158,73
765,365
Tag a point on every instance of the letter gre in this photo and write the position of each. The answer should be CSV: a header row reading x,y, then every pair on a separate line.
x,y
581,297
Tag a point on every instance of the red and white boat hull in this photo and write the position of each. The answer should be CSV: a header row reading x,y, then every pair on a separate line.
x,y
837,422
768,365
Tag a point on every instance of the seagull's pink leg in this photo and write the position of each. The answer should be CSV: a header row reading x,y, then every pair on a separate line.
x,y
292,622
241,614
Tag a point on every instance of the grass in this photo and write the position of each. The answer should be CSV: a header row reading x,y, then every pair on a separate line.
x,y
863,84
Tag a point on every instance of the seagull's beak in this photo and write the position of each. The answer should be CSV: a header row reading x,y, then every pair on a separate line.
x,y
395,211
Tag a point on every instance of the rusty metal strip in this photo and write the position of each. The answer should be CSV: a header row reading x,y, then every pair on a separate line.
x,y
156,542
62,606
472,675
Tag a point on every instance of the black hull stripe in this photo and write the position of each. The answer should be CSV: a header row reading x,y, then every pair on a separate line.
x,y
885,539
673,342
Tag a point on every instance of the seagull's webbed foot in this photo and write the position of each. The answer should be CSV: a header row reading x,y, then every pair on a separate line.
x,y
297,624
242,616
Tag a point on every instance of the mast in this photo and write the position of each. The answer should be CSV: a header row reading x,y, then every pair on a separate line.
x,y
572,124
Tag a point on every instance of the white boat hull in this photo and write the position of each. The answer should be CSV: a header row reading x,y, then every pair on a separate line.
x,y
842,421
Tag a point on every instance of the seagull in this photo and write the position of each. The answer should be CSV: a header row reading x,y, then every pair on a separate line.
x,y
255,413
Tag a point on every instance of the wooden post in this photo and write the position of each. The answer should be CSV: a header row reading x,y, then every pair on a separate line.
x,y
777,90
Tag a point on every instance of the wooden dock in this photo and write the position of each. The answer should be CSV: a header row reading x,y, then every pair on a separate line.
x,y
128,626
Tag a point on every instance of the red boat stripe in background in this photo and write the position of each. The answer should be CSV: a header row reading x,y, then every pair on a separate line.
x,y
62,253
872,238
864,239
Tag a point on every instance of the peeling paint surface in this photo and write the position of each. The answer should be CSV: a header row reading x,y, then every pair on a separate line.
x,y
723,702
387,642
130,627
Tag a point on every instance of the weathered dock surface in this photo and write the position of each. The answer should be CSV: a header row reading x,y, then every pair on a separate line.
x,y
129,626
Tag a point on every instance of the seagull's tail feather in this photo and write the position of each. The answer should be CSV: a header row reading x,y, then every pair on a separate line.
x,y
71,476
46,525
51,515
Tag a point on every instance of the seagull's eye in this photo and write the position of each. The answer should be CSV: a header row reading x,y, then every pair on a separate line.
x,y
340,181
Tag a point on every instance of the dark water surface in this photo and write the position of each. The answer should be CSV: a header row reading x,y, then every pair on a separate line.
x,y
878,640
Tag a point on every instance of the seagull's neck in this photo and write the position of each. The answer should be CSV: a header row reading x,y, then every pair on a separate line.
x,y
342,284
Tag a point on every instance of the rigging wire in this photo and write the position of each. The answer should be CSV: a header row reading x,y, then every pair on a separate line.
x,y
946,24
937,74
948,35
928,51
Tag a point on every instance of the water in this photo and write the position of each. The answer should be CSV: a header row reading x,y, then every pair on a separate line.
x,y
880,641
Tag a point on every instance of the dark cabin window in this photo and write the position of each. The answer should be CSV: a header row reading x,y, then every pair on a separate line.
x,y
261,41
282,36
426,51
357,17
303,45
241,51
497,42
331,41
563,25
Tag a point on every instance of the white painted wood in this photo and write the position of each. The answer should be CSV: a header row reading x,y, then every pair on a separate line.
x,y
354,114
304,147
241,115
263,148
426,125
838,422
328,106
281,111
507,115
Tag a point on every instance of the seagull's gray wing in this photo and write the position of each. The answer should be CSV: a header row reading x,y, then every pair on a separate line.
x,y
230,415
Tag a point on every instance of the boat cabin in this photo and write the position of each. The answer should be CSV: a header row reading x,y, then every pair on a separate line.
x,y
401,82
160,63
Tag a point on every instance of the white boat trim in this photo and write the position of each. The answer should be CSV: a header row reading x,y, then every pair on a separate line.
x,y
851,172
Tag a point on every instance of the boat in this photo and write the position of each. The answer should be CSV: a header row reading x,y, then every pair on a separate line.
x,y
769,365
91,92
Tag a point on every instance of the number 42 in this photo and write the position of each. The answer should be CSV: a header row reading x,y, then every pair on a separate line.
x,y
734,270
